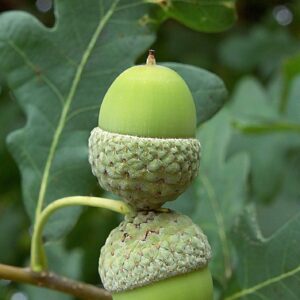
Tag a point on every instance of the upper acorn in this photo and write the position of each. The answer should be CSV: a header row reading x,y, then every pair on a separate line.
x,y
149,101
145,149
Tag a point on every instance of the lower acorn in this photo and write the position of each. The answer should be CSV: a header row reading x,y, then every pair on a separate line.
x,y
156,255
144,149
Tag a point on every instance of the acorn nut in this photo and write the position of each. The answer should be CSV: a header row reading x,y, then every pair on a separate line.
x,y
144,149
156,255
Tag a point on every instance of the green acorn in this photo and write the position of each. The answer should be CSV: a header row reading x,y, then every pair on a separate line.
x,y
156,255
144,148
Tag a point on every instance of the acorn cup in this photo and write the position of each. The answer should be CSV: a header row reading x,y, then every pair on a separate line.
x,y
145,151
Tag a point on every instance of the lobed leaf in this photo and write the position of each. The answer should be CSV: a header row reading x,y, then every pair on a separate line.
x,y
207,16
266,268
59,77
220,190
258,49
10,119
264,134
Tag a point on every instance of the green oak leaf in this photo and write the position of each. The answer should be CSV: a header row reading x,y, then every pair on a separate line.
x,y
207,16
266,268
290,70
208,89
275,176
265,134
259,49
285,205
292,110
185,203
59,76
220,190
13,233
10,119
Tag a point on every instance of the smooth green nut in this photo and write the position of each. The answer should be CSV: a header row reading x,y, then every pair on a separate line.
x,y
196,285
144,149
149,248
145,172
149,101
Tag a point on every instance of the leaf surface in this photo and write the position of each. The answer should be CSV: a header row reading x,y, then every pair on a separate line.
x,y
207,15
209,91
59,77
266,268
265,134
10,119
258,49
220,190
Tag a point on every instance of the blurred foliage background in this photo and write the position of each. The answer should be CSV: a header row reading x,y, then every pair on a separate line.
x,y
258,59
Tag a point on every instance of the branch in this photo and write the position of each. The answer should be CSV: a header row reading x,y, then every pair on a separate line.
x,y
55,282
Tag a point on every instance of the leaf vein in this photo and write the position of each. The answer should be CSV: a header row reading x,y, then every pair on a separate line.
x,y
67,105
221,225
263,284
31,65
81,110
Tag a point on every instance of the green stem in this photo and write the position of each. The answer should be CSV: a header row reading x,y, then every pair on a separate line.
x,y
38,257
267,128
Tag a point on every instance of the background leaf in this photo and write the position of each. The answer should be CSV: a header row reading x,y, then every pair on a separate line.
x,y
97,223
10,119
273,150
208,16
251,108
220,190
60,81
208,89
59,77
237,51
266,268
291,69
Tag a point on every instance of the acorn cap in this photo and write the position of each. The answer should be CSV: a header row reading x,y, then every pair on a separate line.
x,y
145,172
149,247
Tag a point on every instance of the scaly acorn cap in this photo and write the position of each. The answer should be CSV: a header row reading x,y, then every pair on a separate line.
x,y
149,247
145,172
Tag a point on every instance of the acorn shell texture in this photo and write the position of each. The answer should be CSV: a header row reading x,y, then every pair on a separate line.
x,y
149,247
145,172
149,101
